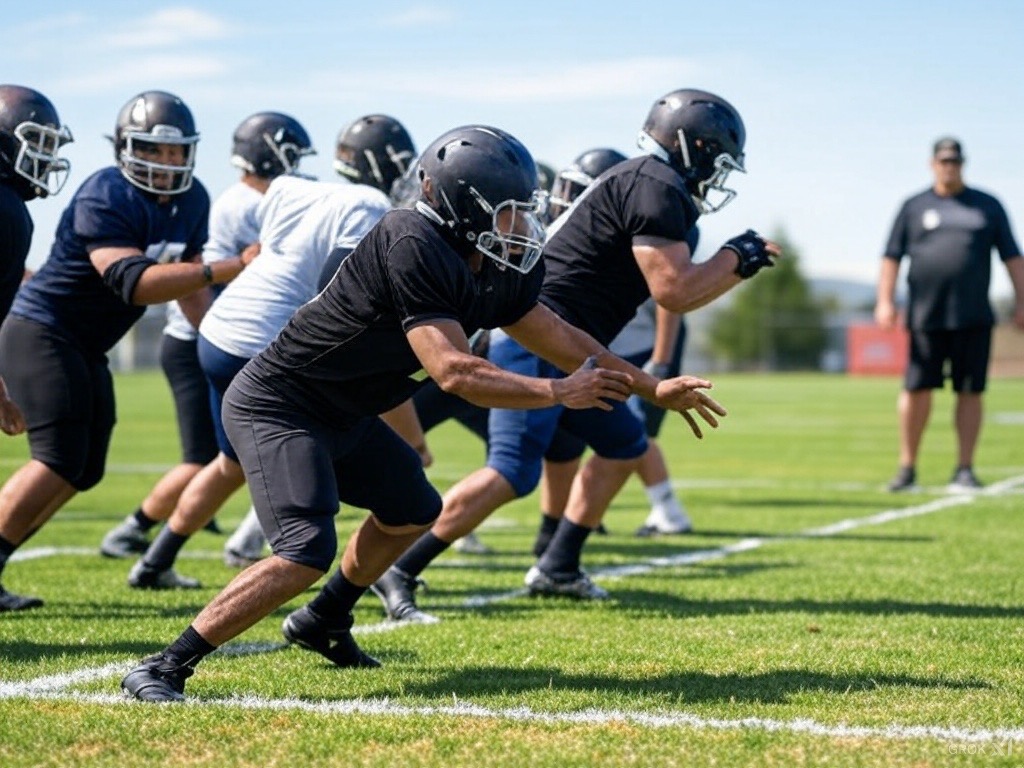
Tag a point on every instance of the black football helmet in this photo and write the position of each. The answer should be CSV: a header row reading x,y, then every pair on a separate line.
x,y
374,150
270,144
481,183
584,170
701,135
155,117
545,176
31,136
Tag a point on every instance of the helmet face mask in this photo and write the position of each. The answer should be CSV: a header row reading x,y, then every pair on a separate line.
x,y
37,159
148,126
712,194
516,236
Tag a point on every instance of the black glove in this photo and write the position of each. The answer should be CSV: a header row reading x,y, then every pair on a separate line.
x,y
750,247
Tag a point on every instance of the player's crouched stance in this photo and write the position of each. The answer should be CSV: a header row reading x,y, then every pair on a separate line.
x,y
302,415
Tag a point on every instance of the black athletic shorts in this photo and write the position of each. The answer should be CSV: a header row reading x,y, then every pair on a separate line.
x,y
191,393
67,399
961,355
298,469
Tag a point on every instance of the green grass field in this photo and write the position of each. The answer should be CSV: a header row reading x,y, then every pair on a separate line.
x,y
798,626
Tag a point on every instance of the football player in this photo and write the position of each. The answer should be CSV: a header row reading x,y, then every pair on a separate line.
x,y
131,236
303,414
31,137
264,146
622,241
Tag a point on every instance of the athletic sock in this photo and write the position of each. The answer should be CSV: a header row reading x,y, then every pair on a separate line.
x,y
563,553
421,554
548,526
336,599
142,520
189,649
666,511
6,550
164,550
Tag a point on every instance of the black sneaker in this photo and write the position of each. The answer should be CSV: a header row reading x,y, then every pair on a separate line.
x,y
905,480
304,629
397,590
157,679
141,576
125,540
12,602
964,481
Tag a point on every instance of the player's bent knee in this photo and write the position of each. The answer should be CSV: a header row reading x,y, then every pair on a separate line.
x,y
309,541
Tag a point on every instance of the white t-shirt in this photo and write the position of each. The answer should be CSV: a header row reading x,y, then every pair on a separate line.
x,y
302,222
233,226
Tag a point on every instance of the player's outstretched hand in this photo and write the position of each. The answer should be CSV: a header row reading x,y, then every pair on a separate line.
x,y
12,422
591,387
683,394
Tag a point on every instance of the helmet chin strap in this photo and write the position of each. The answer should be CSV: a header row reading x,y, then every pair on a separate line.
x,y
430,213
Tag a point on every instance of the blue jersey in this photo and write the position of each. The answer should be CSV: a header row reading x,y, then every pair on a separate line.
x,y
69,295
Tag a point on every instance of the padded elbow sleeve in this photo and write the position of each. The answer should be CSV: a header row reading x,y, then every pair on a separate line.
x,y
123,275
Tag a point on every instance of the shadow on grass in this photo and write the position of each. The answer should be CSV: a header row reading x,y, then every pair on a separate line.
x,y
639,602
677,688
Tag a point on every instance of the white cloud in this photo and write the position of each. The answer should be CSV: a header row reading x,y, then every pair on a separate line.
x,y
147,72
168,27
419,16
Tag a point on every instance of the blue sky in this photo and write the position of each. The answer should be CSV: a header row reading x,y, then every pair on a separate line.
x,y
841,100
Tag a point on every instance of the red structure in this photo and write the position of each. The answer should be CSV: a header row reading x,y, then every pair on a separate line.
x,y
875,351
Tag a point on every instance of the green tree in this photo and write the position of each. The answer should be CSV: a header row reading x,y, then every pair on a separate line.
x,y
773,321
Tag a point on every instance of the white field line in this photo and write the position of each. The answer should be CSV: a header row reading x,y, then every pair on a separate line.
x,y
756,542
53,687
386,708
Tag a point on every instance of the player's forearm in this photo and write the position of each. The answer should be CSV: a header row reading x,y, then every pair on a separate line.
x,y
485,384
167,282
699,284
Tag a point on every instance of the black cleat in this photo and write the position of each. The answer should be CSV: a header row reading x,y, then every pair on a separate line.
x,y
397,590
12,602
157,679
905,481
304,629
214,527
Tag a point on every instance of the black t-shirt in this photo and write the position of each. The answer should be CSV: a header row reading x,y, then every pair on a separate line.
x,y
949,241
15,239
345,353
593,280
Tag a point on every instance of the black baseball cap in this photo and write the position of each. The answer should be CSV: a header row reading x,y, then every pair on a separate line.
x,y
948,148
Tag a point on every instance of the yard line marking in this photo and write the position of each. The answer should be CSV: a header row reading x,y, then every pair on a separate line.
x,y
756,542
37,553
384,707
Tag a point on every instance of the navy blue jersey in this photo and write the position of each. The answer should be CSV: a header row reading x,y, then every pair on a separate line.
x,y
949,241
593,280
15,239
345,353
69,295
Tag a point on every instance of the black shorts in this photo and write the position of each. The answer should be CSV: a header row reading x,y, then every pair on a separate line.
x,y
66,396
191,393
961,355
299,469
